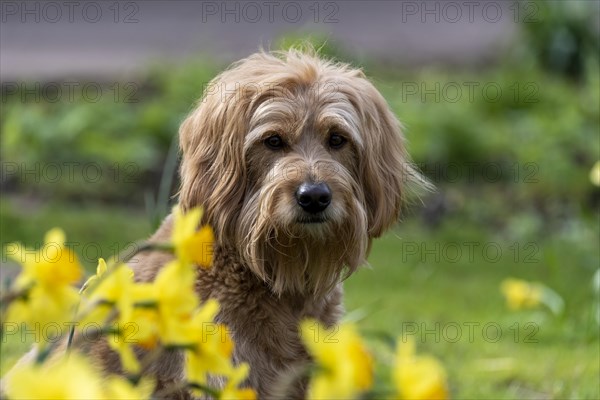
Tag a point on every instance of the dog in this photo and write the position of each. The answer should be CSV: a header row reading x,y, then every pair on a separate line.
x,y
298,163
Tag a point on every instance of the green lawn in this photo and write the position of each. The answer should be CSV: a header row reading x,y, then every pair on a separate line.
x,y
437,285
453,308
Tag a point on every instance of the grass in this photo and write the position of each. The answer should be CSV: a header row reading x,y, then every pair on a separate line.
x,y
418,286
453,308
92,229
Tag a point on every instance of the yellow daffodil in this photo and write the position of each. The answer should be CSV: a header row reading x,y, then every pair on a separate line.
x,y
211,353
51,266
595,174
344,367
110,299
143,329
236,377
46,280
100,271
107,292
418,377
192,245
71,378
176,301
521,294
119,388
145,314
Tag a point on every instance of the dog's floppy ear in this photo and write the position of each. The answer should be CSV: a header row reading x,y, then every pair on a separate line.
x,y
213,171
385,167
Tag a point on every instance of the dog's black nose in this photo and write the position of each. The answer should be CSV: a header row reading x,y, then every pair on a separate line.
x,y
313,197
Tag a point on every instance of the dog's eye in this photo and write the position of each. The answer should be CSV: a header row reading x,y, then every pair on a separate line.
x,y
274,142
336,141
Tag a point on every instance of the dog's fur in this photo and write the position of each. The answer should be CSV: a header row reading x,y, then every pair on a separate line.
x,y
271,269
247,190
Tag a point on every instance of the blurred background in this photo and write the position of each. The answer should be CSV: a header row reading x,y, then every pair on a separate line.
x,y
500,103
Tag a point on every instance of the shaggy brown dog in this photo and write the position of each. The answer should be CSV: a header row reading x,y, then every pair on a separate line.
x,y
299,163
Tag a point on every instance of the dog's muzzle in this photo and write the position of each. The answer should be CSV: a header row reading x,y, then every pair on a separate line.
x,y
313,197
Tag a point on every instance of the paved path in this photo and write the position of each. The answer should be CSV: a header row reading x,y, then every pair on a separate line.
x,y
44,40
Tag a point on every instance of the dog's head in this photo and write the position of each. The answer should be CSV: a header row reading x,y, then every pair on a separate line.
x,y
299,163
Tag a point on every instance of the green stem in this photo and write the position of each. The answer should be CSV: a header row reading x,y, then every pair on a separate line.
x,y
208,390
123,257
